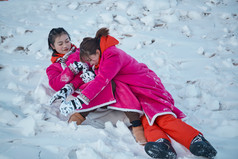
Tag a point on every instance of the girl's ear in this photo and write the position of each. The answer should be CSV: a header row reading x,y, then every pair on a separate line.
x,y
52,46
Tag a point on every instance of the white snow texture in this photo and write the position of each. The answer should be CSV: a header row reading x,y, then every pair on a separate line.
x,y
191,45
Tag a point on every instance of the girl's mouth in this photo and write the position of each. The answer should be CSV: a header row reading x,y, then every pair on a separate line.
x,y
66,50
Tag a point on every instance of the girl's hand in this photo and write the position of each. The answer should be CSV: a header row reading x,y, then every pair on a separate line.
x,y
87,76
76,67
68,107
63,93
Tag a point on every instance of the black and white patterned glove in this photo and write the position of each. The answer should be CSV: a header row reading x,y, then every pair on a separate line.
x,y
62,93
68,107
87,76
76,67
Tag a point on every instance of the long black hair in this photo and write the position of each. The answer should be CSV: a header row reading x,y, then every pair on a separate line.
x,y
54,33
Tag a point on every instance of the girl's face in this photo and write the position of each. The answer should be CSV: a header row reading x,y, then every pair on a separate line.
x,y
62,44
94,59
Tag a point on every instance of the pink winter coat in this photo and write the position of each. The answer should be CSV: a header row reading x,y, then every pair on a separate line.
x,y
59,77
132,76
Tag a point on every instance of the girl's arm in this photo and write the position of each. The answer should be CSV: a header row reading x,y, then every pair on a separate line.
x,y
59,77
111,65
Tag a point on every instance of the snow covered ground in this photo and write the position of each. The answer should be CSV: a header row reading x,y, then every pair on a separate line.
x,y
191,45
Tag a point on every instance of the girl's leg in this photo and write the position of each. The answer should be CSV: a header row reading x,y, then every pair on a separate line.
x,y
137,128
134,118
188,136
177,129
158,145
152,133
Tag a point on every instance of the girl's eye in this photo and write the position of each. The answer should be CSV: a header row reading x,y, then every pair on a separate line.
x,y
67,41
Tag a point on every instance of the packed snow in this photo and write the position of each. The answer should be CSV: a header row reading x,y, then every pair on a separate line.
x,y
191,45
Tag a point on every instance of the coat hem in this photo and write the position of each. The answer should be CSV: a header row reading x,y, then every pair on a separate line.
x,y
126,110
151,122
95,107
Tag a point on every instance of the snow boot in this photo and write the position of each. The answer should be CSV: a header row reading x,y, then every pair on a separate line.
x,y
201,147
138,133
76,117
161,149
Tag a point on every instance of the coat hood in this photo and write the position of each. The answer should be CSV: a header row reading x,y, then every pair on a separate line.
x,y
106,42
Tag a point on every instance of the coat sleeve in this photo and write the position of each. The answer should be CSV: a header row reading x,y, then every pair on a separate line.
x,y
109,67
59,77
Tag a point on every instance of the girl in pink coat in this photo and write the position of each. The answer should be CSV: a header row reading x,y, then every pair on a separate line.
x,y
154,100
67,75
63,74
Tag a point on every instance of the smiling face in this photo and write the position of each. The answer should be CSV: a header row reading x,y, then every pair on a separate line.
x,y
93,59
62,44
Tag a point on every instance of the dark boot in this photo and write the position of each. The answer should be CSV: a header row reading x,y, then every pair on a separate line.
x,y
201,147
161,149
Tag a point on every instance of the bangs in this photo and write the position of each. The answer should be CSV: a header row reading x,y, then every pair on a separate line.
x,y
84,56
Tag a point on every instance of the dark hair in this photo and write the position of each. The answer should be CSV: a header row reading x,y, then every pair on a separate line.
x,y
54,33
89,45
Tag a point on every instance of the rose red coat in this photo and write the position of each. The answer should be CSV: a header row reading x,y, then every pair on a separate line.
x,y
134,81
59,77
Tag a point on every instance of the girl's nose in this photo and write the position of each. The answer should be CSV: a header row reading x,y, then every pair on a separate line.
x,y
64,45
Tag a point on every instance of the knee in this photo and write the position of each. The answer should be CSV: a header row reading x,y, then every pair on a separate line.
x,y
164,120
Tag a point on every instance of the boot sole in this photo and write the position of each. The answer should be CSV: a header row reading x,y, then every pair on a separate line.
x,y
155,150
204,149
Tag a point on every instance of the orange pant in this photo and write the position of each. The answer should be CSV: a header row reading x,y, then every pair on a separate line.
x,y
169,125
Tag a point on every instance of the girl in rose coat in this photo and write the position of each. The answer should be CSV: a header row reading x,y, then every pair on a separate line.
x,y
61,73
66,74
161,118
